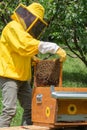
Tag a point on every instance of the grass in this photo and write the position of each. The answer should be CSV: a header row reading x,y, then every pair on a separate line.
x,y
74,75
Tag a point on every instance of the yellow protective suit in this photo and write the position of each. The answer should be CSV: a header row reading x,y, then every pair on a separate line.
x,y
16,50
17,47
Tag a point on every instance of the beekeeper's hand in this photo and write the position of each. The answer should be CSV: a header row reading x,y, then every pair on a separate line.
x,y
53,48
47,47
62,54
35,60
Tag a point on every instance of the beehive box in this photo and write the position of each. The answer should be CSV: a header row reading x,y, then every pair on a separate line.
x,y
53,112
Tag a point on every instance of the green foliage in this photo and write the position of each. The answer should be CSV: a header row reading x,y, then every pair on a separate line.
x,y
67,22
68,26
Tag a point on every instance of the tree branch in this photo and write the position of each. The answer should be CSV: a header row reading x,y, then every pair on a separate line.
x,y
77,46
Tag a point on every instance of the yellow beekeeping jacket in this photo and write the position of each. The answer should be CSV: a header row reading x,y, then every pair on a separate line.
x,y
17,48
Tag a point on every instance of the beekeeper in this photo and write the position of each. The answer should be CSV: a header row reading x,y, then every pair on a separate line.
x,y
18,44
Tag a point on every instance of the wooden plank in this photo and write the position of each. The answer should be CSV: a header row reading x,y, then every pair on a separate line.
x,y
62,124
32,127
65,124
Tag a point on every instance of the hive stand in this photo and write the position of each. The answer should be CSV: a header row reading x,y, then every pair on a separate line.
x,y
58,106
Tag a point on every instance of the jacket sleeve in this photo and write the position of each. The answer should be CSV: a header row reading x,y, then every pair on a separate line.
x,y
19,40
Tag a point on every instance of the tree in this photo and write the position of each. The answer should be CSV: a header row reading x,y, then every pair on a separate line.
x,y
68,25
67,22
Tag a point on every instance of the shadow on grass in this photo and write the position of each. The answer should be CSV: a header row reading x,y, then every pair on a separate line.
x,y
75,78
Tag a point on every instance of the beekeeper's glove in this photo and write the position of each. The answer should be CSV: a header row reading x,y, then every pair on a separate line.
x,y
53,48
62,54
47,47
